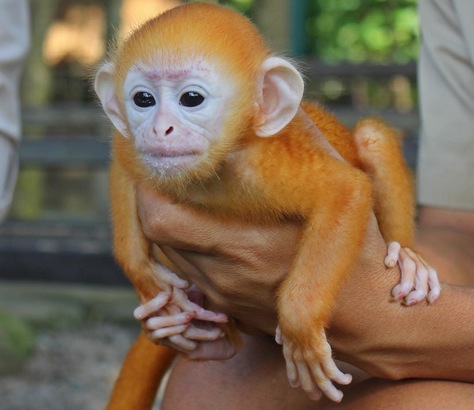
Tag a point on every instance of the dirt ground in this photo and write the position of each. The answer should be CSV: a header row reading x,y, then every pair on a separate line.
x,y
69,369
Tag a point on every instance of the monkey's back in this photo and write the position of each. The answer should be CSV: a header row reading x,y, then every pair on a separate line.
x,y
339,136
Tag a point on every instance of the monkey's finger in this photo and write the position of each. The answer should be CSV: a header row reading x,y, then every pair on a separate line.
x,y
160,322
332,371
207,334
326,372
393,250
179,342
306,381
435,287
408,272
209,316
291,370
153,306
181,299
432,279
420,290
158,335
278,337
167,275
325,384
327,363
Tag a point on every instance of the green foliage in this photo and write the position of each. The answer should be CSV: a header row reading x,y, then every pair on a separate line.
x,y
17,341
377,31
244,6
363,30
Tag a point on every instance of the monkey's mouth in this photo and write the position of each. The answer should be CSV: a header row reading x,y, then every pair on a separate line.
x,y
171,163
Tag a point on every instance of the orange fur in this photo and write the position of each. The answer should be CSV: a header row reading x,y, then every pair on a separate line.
x,y
130,390
291,175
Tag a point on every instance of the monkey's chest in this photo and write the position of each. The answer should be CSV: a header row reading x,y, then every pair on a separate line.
x,y
236,198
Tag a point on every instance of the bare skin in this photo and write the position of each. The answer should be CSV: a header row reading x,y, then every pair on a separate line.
x,y
387,348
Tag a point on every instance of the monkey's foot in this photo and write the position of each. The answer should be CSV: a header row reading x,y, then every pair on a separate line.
x,y
375,140
418,279
314,369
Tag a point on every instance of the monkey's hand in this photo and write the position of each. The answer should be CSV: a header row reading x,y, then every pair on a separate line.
x,y
312,367
179,321
418,279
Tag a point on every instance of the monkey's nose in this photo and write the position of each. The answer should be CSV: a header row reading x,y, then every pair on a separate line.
x,y
162,132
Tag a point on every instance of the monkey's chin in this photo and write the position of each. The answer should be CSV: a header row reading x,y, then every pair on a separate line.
x,y
173,165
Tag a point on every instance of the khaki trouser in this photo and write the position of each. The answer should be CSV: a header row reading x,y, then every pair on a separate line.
x,y
446,78
14,43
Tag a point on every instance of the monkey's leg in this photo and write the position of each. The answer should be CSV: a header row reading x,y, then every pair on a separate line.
x,y
140,375
381,154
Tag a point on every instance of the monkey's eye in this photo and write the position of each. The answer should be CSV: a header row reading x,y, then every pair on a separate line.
x,y
144,99
191,99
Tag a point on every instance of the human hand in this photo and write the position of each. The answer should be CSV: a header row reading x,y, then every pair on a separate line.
x,y
240,267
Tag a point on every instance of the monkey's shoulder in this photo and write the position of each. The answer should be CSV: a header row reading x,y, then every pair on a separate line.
x,y
336,133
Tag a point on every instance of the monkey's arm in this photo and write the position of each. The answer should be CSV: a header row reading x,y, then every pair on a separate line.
x,y
133,252
327,253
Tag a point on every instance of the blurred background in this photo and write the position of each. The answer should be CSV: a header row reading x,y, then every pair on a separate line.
x,y
358,56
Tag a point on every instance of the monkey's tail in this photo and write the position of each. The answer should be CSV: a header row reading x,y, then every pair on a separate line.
x,y
140,375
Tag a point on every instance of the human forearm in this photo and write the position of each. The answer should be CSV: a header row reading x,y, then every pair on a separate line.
x,y
393,341
383,338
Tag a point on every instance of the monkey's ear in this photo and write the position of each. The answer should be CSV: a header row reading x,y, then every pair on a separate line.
x,y
281,93
104,87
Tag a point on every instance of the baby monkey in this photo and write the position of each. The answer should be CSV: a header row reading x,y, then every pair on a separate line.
x,y
206,115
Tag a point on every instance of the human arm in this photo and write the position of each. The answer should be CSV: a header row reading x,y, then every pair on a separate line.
x,y
392,341
366,329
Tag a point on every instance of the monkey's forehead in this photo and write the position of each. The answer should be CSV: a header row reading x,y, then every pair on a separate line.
x,y
157,65
194,29
160,70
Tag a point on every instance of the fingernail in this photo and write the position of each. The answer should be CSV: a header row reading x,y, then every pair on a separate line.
x,y
138,314
294,384
433,299
397,297
389,262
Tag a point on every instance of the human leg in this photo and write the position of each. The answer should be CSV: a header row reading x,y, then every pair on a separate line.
x,y
14,42
445,238
255,378
378,394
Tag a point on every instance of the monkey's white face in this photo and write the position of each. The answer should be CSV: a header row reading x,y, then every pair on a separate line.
x,y
174,114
